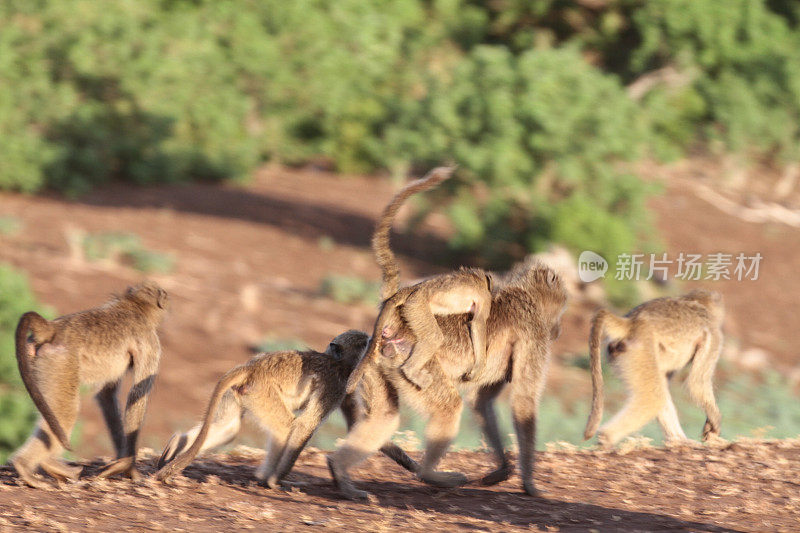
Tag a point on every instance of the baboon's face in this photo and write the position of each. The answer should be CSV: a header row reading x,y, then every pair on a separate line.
x,y
348,346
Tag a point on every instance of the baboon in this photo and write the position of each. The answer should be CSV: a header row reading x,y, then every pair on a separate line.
x,y
97,347
524,318
465,291
647,346
272,387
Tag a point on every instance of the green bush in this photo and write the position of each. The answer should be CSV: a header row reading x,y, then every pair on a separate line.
x,y
527,97
539,139
16,410
744,61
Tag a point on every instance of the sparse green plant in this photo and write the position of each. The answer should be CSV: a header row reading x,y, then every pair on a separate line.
x,y
125,248
10,225
277,344
350,289
326,243
149,261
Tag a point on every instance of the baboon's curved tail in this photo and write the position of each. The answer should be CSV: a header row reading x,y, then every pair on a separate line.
x,y
603,323
234,377
380,238
373,346
43,331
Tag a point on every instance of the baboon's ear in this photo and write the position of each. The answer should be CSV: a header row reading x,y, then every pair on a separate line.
x,y
335,350
162,298
489,281
551,277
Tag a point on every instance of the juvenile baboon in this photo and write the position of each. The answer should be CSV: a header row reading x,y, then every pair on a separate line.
x,y
647,346
95,347
465,291
524,318
272,387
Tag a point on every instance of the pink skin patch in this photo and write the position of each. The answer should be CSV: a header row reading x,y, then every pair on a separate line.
x,y
395,347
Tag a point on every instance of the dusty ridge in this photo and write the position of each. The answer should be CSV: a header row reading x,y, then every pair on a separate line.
x,y
740,486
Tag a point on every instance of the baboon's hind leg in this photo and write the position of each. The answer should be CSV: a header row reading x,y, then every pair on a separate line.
x,y
477,330
352,413
368,434
276,418
416,311
647,393
224,428
57,376
669,422
442,428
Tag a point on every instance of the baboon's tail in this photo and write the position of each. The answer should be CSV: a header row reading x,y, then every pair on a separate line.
x,y
234,377
373,346
603,323
380,238
43,331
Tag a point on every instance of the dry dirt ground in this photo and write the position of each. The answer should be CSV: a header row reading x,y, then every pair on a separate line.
x,y
744,486
249,263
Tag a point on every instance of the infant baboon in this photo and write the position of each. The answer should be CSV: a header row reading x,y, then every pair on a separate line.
x,y
466,291
272,387
96,347
647,346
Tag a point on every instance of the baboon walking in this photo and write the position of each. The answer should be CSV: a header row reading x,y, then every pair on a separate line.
x,y
524,318
647,346
289,394
96,347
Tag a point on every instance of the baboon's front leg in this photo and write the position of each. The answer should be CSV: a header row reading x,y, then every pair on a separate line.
x,y
700,384
109,406
527,383
144,374
483,406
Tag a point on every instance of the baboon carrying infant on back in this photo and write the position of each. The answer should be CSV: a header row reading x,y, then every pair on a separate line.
x,y
524,316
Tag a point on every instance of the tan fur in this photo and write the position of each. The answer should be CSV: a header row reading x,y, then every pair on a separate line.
x,y
95,347
273,387
524,319
646,346
465,291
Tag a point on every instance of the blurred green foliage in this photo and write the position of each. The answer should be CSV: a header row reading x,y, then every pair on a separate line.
x,y
527,97
9,225
279,344
350,289
126,248
16,410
